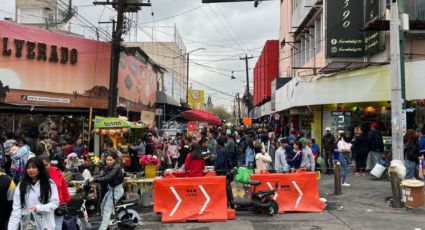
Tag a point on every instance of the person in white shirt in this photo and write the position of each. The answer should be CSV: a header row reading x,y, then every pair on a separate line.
x,y
344,149
280,163
308,161
262,159
36,193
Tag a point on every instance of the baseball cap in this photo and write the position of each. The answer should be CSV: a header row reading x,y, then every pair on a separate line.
x,y
374,125
303,140
328,129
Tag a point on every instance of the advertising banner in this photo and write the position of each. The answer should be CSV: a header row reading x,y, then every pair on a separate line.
x,y
196,99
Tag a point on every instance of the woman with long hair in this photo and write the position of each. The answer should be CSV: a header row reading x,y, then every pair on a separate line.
x,y
344,149
360,150
195,162
36,193
113,178
262,158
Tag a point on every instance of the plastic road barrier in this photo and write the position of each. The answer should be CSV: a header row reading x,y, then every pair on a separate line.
x,y
297,192
200,199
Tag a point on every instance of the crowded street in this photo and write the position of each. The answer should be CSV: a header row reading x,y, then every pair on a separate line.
x,y
212,114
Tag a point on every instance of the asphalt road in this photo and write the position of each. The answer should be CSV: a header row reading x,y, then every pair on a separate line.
x,y
361,206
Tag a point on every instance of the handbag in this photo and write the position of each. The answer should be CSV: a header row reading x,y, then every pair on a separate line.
x,y
62,210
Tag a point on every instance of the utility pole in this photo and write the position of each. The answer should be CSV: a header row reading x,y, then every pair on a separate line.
x,y
122,6
396,95
248,94
239,108
187,76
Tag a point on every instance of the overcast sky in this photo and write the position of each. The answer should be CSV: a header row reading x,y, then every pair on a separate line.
x,y
226,30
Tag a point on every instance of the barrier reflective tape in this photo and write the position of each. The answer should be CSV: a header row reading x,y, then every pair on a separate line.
x,y
271,188
206,202
179,201
297,203
191,199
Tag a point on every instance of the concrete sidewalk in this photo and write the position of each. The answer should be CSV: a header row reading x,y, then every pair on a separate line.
x,y
361,206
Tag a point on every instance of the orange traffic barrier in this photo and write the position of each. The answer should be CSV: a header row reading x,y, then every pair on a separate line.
x,y
200,199
296,192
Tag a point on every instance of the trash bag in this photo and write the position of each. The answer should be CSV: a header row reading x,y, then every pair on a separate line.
x,y
31,221
243,175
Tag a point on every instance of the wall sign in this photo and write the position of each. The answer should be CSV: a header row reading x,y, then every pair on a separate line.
x,y
39,51
45,99
371,37
345,20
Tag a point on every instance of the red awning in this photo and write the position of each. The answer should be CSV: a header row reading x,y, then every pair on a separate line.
x,y
201,115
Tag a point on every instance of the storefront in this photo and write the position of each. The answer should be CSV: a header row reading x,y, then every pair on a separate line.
x,y
65,78
362,95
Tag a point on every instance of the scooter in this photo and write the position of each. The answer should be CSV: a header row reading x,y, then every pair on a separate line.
x,y
260,202
124,217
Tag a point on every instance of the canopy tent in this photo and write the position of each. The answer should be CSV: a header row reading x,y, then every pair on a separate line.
x,y
201,115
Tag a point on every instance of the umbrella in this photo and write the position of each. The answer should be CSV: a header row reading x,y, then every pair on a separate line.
x,y
201,115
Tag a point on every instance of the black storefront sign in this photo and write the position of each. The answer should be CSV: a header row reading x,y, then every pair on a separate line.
x,y
345,20
341,113
371,37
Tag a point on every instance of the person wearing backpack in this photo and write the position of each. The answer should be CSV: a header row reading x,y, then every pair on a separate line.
x,y
19,159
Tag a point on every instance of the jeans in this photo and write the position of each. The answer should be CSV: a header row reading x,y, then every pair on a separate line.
x,y
58,222
344,165
376,156
411,169
329,159
107,206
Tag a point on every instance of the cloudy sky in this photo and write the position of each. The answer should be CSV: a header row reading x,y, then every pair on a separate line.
x,y
225,30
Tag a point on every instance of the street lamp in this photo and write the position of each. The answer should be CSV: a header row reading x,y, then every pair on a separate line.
x,y
187,71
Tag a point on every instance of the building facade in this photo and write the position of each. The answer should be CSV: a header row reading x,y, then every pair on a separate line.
x,y
337,55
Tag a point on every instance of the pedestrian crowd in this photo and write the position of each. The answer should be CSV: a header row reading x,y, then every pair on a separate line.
x,y
33,180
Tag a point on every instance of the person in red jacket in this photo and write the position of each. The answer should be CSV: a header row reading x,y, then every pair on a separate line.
x,y
195,163
57,176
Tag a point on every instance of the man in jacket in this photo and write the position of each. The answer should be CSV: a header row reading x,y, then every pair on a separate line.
x,y
376,144
280,164
231,149
307,161
328,145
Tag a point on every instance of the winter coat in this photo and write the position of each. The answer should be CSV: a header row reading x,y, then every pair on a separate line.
x,y
221,162
57,176
360,146
112,175
194,167
261,161
376,143
328,142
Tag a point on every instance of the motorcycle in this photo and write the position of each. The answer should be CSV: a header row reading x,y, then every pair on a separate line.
x,y
260,201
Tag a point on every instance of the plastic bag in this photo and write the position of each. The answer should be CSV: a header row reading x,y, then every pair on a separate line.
x,y
31,221
322,164
243,175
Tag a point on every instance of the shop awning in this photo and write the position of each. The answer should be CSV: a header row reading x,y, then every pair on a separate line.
x,y
201,115
365,85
